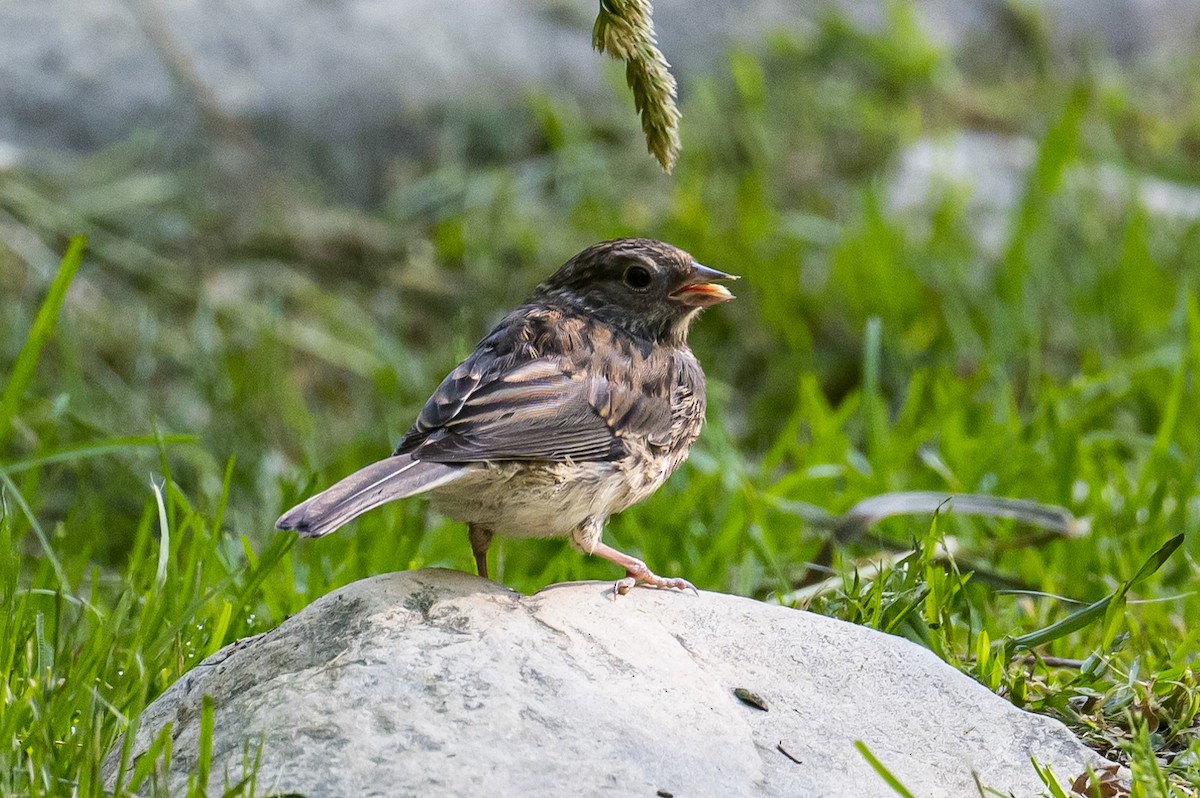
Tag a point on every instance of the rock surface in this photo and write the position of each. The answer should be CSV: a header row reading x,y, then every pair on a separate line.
x,y
437,683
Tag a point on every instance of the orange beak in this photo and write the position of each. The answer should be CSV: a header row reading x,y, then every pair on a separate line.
x,y
701,290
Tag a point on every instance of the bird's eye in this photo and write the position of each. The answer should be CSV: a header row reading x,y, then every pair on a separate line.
x,y
638,278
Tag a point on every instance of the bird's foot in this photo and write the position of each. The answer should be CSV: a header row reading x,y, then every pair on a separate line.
x,y
636,572
635,576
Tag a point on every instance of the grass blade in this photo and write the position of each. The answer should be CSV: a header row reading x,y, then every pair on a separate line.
x,y
98,448
882,770
164,540
39,333
1097,609
204,760
59,572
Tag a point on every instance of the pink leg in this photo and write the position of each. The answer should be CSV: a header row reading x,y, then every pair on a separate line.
x,y
636,572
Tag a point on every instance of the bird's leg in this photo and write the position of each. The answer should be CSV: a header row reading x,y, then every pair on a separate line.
x,y
586,538
637,573
481,538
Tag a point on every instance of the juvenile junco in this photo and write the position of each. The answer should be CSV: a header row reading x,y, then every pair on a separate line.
x,y
579,404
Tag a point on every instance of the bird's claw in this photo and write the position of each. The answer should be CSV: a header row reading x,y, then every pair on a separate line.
x,y
650,579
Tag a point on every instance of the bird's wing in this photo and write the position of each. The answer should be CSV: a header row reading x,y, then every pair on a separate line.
x,y
530,404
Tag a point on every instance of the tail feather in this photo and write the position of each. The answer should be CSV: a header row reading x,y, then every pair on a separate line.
x,y
387,480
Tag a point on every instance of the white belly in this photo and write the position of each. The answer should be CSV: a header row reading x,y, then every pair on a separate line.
x,y
538,501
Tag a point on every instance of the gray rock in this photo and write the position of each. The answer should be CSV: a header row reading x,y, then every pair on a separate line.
x,y
1125,29
437,683
987,170
990,174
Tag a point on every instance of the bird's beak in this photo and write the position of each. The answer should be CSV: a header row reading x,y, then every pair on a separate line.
x,y
701,289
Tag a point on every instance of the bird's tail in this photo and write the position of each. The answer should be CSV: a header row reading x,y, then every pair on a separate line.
x,y
396,477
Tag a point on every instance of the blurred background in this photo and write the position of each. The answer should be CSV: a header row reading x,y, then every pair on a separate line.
x,y
967,230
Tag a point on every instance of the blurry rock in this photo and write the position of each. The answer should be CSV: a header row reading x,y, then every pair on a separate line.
x,y
985,171
439,683
1162,198
1125,29
10,155
340,87
988,173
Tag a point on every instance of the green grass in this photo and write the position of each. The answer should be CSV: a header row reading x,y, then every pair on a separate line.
x,y
231,339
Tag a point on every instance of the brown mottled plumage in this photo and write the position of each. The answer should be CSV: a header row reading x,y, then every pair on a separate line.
x,y
579,404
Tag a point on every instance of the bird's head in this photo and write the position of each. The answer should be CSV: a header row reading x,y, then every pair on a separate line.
x,y
647,288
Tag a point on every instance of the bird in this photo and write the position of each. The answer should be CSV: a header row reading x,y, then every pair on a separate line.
x,y
579,404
